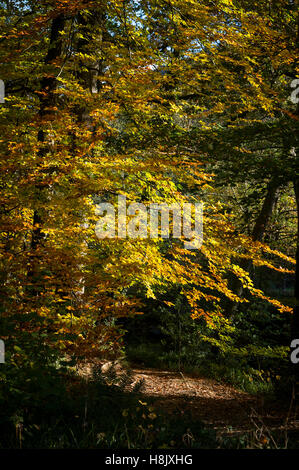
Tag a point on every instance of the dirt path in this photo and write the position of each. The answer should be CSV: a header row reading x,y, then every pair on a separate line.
x,y
220,406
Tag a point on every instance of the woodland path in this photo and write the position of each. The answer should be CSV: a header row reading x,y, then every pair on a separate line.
x,y
220,406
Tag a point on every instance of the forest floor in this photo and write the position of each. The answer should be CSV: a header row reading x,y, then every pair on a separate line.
x,y
220,406
230,412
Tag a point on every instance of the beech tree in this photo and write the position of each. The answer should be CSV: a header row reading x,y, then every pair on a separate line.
x,y
132,98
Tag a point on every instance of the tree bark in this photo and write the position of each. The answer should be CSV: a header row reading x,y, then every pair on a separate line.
x,y
295,319
48,86
258,233
268,207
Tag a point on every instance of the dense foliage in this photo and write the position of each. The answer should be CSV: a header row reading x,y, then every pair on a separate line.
x,y
170,102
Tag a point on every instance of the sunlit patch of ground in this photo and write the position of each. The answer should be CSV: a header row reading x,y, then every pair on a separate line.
x,y
218,405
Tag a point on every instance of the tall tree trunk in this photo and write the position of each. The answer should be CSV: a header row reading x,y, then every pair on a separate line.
x,y
268,207
295,319
48,86
258,233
